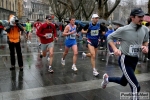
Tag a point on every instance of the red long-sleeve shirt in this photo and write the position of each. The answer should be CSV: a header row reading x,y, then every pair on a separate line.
x,y
44,29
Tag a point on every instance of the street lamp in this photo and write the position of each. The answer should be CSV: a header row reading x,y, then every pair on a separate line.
x,y
41,15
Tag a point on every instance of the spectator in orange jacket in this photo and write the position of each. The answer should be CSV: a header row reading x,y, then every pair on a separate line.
x,y
13,33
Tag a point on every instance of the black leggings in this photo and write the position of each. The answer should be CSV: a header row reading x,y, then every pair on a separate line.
x,y
149,51
127,65
12,47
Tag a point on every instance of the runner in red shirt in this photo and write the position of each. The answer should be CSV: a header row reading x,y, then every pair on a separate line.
x,y
36,25
47,33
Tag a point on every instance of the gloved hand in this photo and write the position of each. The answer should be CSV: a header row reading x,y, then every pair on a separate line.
x,y
7,28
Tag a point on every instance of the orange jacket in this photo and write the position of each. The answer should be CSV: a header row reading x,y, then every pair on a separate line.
x,y
14,34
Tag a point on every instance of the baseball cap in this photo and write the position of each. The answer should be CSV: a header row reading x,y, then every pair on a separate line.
x,y
48,17
95,16
137,12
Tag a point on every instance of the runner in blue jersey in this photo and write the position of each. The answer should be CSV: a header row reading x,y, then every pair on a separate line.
x,y
70,33
93,31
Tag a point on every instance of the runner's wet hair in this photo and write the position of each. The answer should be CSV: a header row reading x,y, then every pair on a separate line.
x,y
72,17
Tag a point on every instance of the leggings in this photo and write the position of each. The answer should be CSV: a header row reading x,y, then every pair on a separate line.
x,y
127,65
12,48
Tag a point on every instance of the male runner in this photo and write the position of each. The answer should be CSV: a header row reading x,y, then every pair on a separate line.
x,y
47,33
134,38
70,32
93,30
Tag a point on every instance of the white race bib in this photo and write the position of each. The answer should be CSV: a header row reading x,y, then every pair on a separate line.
x,y
134,49
94,32
49,35
73,36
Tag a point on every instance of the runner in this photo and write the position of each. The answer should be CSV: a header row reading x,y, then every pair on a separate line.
x,y
28,31
36,26
70,33
93,34
134,38
47,33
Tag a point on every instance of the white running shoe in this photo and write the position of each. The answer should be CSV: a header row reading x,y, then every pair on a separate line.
x,y
62,61
74,68
111,53
51,70
48,58
83,55
29,42
95,73
105,81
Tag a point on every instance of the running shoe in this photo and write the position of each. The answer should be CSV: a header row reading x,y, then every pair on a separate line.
x,y
51,70
105,81
95,73
29,42
62,61
48,58
74,68
83,55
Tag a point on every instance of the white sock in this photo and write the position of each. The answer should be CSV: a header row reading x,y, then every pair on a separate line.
x,y
50,67
94,69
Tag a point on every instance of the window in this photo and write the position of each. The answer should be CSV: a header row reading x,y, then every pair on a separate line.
x,y
10,5
6,4
2,2
13,7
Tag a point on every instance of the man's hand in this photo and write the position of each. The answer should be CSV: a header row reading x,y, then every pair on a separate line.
x,y
117,52
144,49
56,38
77,35
45,35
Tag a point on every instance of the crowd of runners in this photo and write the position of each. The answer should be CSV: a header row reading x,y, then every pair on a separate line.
x,y
133,39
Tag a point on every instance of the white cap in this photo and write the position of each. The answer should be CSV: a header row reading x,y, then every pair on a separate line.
x,y
95,16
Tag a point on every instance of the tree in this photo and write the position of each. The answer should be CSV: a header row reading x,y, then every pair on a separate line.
x,y
149,7
103,10
58,9
87,8
72,5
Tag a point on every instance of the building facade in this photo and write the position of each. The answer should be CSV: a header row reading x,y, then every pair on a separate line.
x,y
8,7
36,9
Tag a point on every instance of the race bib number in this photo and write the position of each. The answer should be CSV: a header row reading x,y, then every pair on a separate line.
x,y
73,36
49,35
94,32
134,49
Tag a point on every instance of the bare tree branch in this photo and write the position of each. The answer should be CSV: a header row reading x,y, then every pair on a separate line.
x,y
114,7
105,2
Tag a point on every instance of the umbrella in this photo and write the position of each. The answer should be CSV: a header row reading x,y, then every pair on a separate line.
x,y
85,22
77,22
59,23
4,22
146,18
118,23
103,21
67,21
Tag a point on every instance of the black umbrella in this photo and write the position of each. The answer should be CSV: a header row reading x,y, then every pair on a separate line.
x,y
59,23
117,22
67,21
85,22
